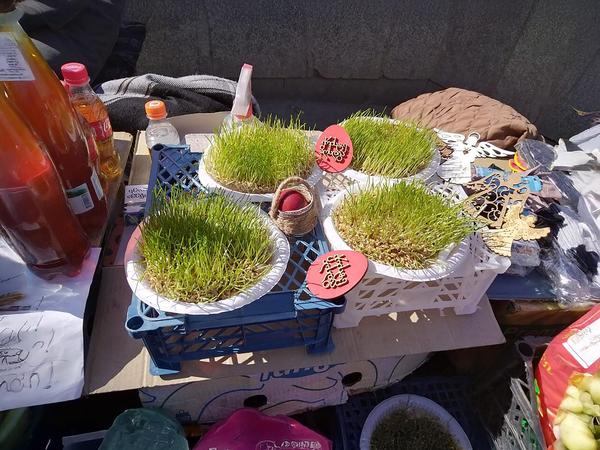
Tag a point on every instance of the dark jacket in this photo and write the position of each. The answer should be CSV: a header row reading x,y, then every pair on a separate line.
x,y
73,30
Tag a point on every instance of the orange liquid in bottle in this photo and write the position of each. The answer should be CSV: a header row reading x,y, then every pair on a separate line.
x,y
96,115
89,105
34,214
44,105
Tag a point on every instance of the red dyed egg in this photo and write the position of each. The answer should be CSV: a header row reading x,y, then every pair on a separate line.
x,y
291,200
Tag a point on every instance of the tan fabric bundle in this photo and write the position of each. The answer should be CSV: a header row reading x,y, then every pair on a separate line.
x,y
460,111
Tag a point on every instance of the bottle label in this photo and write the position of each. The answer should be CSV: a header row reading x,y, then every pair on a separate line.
x,y
80,199
13,66
102,129
97,185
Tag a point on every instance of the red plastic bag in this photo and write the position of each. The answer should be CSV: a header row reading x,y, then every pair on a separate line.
x,y
575,350
249,429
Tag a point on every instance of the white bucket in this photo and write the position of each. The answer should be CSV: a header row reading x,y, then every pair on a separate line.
x,y
418,403
134,270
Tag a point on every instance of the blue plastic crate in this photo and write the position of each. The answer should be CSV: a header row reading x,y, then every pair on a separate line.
x,y
173,165
450,393
288,316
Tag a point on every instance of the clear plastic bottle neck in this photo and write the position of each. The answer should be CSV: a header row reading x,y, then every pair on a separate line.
x,y
231,123
11,17
153,121
161,131
81,90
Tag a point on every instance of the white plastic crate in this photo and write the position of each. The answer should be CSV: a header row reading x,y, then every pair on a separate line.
x,y
383,291
378,294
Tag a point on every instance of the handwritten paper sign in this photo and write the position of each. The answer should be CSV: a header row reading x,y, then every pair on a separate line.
x,y
41,334
135,194
335,273
333,150
32,365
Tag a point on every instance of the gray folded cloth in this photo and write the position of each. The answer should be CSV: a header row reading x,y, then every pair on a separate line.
x,y
125,98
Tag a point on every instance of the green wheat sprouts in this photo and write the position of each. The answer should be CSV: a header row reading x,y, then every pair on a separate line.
x,y
389,149
409,429
203,248
401,225
256,157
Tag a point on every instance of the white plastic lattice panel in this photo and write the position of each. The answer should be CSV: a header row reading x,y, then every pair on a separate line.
x,y
378,294
332,183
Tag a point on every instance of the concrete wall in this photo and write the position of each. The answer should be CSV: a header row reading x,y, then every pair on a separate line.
x,y
540,56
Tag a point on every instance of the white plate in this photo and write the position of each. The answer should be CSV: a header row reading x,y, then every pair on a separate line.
x,y
134,270
212,185
447,263
423,175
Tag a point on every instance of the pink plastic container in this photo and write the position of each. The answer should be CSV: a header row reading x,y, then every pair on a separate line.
x,y
249,429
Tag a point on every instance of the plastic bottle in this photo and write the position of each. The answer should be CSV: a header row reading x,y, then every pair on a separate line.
x,y
89,105
159,131
241,110
91,142
34,213
36,93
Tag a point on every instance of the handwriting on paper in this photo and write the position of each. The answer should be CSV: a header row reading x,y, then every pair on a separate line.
x,y
41,340
23,362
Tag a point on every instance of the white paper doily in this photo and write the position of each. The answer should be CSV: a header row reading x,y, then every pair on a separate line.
x,y
134,270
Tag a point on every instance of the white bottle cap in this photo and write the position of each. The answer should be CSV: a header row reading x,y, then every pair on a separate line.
x,y
242,103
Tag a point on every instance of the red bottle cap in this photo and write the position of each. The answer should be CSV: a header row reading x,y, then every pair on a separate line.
x,y
75,74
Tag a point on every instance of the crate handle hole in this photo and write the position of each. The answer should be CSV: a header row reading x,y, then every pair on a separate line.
x,y
351,379
135,323
525,349
255,401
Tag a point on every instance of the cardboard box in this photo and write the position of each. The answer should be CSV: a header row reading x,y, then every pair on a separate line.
x,y
284,392
117,362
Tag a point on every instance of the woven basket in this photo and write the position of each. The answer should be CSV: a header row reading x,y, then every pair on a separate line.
x,y
301,221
